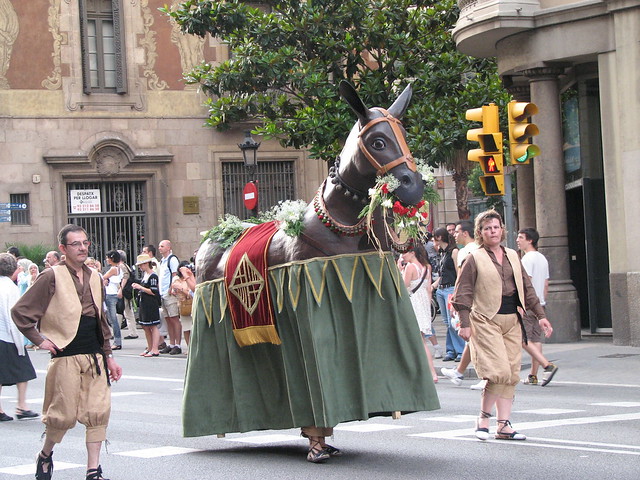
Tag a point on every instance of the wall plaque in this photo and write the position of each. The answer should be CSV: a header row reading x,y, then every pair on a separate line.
x,y
190,205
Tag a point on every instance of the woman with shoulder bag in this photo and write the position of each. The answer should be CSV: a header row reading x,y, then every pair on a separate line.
x,y
416,273
148,302
444,286
112,279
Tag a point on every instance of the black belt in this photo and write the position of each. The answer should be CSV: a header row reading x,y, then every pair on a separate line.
x,y
509,305
446,286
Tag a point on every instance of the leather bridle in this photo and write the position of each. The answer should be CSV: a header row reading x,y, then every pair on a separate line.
x,y
395,125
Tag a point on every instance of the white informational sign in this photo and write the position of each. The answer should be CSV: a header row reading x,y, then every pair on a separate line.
x,y
85,201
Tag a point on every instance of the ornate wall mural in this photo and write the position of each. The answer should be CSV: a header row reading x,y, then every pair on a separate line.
x,y
191,47
9,29
54,81
148,42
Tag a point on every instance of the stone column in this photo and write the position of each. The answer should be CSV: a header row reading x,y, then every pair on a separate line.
x,y
551,208
524,173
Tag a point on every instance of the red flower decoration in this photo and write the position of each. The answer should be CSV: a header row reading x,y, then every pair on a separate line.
x,y
425,215
420,204
385,188
412,212
399,209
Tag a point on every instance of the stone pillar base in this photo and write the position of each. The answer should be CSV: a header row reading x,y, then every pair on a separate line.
x,y
563,311
625,308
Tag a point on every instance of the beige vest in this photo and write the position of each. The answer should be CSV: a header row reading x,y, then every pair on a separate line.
x,y
488,287
62,318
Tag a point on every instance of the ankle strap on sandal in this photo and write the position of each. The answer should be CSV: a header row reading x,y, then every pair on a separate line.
x,y
484,414
95,474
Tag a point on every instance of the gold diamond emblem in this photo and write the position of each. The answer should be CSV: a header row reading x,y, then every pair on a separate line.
x,y
247,284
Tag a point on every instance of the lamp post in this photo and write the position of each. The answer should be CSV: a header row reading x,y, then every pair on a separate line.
x,y
249,148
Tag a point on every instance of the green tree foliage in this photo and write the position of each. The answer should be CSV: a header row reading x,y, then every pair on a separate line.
x,y
287,58
35,253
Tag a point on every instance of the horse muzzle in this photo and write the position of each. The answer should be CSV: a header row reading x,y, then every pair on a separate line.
x,y
411,188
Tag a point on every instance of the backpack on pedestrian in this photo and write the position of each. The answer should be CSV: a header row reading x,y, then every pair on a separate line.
x,y
127,290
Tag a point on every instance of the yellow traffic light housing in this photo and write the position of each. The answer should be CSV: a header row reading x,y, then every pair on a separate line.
x,y
489,155
488,115
521,148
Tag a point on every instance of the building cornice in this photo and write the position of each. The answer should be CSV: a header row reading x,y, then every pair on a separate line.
x,y
482,24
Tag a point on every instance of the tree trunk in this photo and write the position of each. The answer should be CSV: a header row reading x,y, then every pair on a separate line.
x,y
461,168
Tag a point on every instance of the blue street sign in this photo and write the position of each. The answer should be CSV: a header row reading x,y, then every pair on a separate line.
x,y
13,206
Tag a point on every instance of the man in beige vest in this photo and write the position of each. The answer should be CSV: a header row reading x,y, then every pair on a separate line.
x,y
62,312
491,286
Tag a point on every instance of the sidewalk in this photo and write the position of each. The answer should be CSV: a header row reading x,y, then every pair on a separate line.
x,y
593,360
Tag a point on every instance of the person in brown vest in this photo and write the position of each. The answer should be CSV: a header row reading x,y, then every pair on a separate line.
x,y
62,312
491,286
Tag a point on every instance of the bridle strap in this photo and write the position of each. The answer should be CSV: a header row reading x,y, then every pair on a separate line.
x,y
395,125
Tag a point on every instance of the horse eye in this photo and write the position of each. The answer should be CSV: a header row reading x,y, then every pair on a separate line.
x,y
378,144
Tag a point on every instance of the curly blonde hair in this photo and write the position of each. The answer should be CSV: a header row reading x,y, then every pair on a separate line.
x,y
481,219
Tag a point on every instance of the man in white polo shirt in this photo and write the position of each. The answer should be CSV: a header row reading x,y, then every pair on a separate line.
x,y
167,270
537,268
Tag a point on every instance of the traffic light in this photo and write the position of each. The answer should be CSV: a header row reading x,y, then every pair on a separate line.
x,y
492,181
521,149
489,155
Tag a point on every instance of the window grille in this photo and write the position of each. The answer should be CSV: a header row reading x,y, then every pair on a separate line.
x,y
276,182
20,217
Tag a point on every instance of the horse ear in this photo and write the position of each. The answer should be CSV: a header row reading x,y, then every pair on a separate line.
x,y
402,102
350,95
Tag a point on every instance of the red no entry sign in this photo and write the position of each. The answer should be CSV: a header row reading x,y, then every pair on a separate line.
x,y
250,194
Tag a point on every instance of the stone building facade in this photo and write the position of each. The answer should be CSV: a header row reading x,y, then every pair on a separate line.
x,y
97,127
579,62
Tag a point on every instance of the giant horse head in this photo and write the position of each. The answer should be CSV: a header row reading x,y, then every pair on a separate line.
x,y
377,145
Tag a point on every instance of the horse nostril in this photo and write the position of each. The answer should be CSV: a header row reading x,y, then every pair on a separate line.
x,y
405,180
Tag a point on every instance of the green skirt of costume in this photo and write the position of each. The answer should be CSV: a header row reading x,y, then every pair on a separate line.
x,y
351,349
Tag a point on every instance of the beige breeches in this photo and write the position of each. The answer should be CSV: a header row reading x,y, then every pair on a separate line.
x,y
74,392
496,351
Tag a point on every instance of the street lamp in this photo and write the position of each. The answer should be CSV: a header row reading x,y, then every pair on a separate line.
x,y
250,156
249,152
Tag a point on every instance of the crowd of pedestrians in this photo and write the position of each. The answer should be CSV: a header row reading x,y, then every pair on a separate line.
x,y
486,295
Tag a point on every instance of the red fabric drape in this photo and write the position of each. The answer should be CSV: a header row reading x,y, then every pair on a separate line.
x,y
247,287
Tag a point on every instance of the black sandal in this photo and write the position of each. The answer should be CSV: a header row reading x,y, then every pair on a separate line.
x,y
508,436
95,474
332,451
22,414
482,433
41,461
316,453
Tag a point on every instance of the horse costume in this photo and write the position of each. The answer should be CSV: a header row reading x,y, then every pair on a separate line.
x,y
334,337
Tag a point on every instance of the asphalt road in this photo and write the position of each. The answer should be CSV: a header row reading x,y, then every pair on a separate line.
x,y
584,425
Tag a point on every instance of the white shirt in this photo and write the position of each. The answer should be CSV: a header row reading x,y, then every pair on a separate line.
x,y
9,295
165,273
466,250
114,283
537,268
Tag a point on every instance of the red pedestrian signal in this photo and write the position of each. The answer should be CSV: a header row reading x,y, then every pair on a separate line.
x,y
489,155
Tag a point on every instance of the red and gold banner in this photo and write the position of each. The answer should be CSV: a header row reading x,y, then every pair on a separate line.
x,y
247,287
